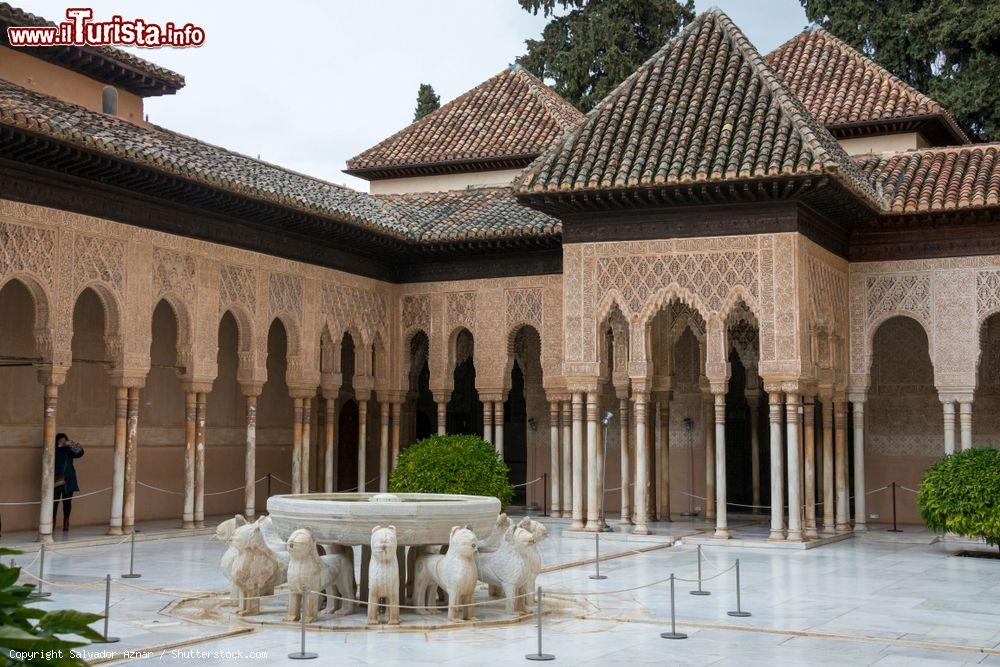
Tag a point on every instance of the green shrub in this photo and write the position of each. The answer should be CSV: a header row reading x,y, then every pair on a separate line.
x,y
464,464
961,494
35,632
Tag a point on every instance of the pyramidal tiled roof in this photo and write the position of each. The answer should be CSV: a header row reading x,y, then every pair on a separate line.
x,y
937,179
509,118
705,108
840,85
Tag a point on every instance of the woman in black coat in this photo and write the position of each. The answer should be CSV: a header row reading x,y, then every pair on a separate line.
x,y
65,477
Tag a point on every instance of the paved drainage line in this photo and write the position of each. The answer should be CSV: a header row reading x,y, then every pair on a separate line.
x,y
808,633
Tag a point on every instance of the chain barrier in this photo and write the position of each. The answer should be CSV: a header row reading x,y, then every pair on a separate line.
x,y
518,486
39,502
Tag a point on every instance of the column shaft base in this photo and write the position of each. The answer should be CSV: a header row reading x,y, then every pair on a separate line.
x,y
795,536
776,536
722,534
45,538
114,530
860,528
187,524
640,529
843,527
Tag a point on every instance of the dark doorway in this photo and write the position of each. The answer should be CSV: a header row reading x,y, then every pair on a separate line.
x,y
739,477
347,445
515,440
465,410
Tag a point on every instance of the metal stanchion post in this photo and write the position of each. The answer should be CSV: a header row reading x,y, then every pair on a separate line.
x,y
268,485
673,634
108,639
539,655
38,592
131,560
739,610
894,529
301,654
545,494
700,591
597,558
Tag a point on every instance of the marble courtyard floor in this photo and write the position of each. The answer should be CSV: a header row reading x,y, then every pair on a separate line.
x,y
881,599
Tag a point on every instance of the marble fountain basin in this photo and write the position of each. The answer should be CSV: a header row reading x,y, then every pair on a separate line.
x,y
348,518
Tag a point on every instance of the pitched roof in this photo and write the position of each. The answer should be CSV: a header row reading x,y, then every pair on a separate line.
x,y
841,86
704,108
937,179
187,158
104,63
503,122
480,213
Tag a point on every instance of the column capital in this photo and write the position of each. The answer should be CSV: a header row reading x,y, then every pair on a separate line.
x,y
302,390
491,397
557,396
51,374
586,384
132,378
956,395
783,385
249,389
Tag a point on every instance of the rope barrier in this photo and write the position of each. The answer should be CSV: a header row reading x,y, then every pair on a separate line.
x,y
38,502
906,488
355,488
278,479
517,486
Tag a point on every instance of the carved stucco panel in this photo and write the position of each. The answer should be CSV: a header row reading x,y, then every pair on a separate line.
x,y
987,293
416,313
27,249
955,342
238,285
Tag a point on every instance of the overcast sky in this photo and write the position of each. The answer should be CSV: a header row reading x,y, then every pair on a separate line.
x,y
307,85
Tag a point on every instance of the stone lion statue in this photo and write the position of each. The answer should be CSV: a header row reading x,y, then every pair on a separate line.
x,y
255,568
224,533
495,539
383,574
308,571
511,568
454,571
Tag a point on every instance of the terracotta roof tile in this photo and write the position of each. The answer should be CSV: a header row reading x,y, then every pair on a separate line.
x,y
511,115
191,159
841,85
937,179
705,108
480,213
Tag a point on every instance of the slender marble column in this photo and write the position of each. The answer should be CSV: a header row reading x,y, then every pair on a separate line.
x,y
488,422
306,442
860,513
362,442
709,421
829,488
965,418
753,403
383,451
949,427
397,409
578,409
297,445
48,462
721,500
809,456
330,443
593,472
567,459
201,401
840,452
641,517
663,496
626,462
656,448
190,445
498,427
131,460
794,468
118,470
777,481
554,458
250,460
442,417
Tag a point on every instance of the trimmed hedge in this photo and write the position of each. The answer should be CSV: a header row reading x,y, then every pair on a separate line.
x,y
961,494
464,464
